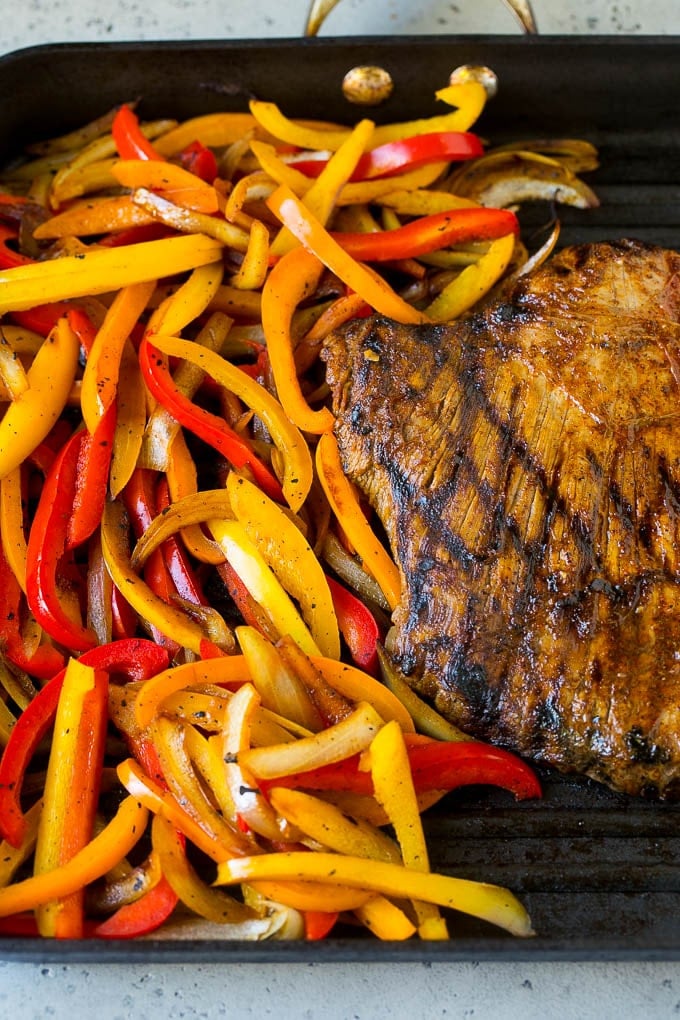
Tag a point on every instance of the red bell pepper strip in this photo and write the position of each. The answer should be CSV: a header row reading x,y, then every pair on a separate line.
x,y
41,318
135,659
129,138
92,479
357,625
45,660
318,923
207,426
47,546
406,154
136,235
83,327
199,160
435,765
141,916
176,560
429,233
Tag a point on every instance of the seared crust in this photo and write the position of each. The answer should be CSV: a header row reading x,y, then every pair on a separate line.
x,y
525,464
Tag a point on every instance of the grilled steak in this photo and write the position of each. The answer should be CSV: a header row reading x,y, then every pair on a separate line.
x,y
525,464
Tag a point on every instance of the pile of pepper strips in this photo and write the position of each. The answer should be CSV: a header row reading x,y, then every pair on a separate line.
x,y
192,596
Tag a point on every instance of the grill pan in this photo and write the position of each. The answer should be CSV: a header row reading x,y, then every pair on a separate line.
x,y
599,872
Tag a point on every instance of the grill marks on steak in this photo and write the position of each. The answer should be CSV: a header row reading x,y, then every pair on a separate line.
x,y
525,464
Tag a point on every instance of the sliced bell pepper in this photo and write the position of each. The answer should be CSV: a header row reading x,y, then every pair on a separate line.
x,y
290,281
92,479
45,551
175,182
71,790
100,377
316,239
42,662
101,270
142,916
297,461
358,626
429,233
480,899
291,557
347,509
474,282
135,659
121,834
207,426
198,159
404,154
29,418
128,137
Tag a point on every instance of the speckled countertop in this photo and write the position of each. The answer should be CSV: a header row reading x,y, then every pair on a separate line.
x,y
606,991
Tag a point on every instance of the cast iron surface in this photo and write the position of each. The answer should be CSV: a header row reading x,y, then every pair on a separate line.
x,y
598,872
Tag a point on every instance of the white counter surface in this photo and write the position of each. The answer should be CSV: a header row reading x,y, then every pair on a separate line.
x,y
606,991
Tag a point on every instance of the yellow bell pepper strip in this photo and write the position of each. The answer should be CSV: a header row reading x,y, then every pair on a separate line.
x,y
424,201
131,396
473,283
183,485
178,772
294,278
79,181
393,789
297,460
406,153
337,742
193,892
321,197
213,129
100,376
470,98
170,620
176,183
275,169
345,505
316,239
71,789
208,426
101,270
279,687
101,854
29,418
430,233
237,303
12,525
385,920
253,270
290,556
48,595
490,903
192,509
110,214
261,581
328,826
159,800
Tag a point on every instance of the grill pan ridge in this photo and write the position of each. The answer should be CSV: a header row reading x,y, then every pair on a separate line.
x,y
599,872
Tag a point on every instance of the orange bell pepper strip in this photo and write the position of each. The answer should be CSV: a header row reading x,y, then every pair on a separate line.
x,y
100,377
71,789
316,239
178,184
101,854
290,281
491,903
345,505
28,419
94,216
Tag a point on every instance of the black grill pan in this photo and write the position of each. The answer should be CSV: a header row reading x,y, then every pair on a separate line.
x,y
599,872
